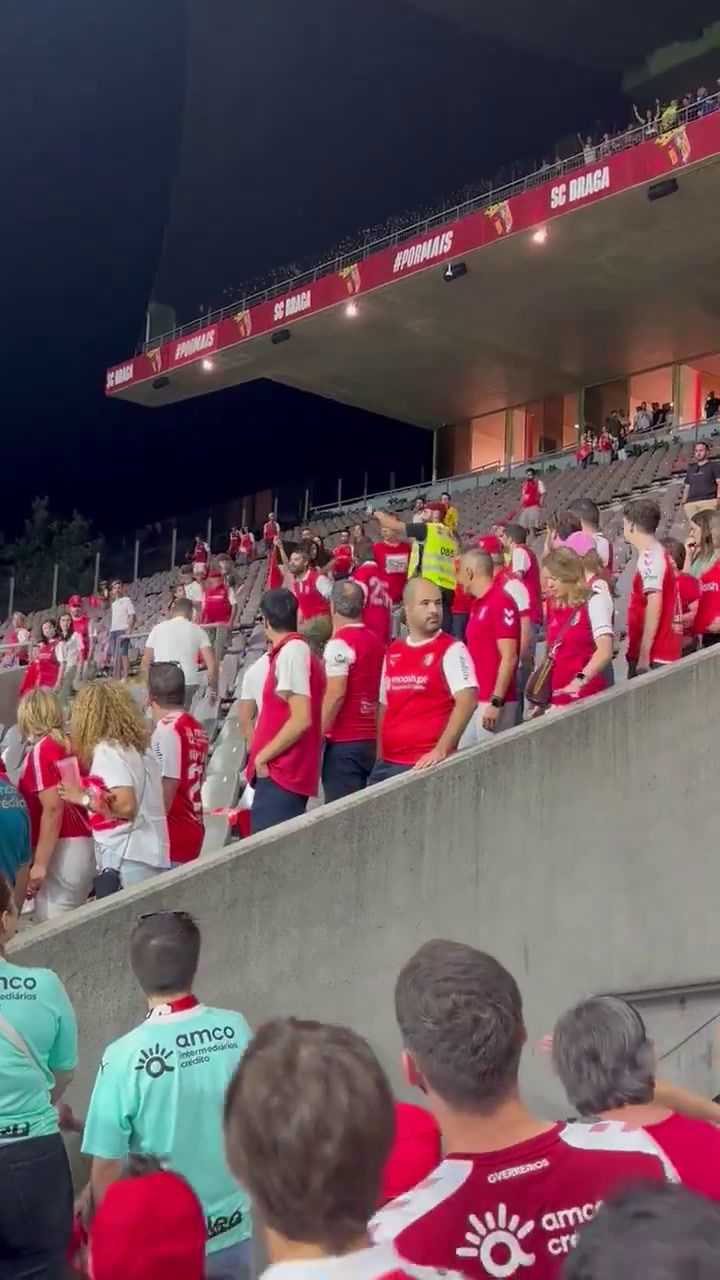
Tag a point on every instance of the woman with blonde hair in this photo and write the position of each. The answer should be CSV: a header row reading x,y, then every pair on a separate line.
x,y
123,792
580,630
63,863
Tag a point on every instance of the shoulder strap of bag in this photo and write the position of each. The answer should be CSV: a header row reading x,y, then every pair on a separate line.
x,y
567,624
21,1045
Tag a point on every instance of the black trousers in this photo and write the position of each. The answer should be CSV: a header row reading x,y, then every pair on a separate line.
x,y
346,768
36,1209
384,770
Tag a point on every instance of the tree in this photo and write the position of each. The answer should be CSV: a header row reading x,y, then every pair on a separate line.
x,y
48,540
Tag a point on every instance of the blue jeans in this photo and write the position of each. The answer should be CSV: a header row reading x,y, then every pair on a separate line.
x,y
384,770
235,1263
272,805
346,768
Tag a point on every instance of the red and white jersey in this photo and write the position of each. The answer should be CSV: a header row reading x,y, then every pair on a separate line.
x,y
81,627
571,635
180,745
689,594
693,1149
655,572
533,492
418,688
377,613
39,773
342,559
380,1262
271,529
201,552
234,542
493,617
312,593
516,1212
356,653
524,565
393,559
516,590
247,544
217,606
709,606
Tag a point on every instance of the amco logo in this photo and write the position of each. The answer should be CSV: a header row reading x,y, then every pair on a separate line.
x,y
205,1035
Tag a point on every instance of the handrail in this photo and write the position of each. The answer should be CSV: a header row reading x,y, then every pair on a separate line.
x,y
447,213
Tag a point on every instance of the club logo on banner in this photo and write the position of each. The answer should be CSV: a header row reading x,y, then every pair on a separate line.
x,y
676,145
155,358
243,320
500,215
351,277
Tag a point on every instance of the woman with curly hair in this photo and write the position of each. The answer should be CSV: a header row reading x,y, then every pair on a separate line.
x,y
123,792
63,862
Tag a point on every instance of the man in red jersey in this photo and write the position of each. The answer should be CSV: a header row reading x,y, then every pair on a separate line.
x,y
513,1190
342,557
81,628
493,641
217,609
299,1081
284,764
271,531
392,557
606,1064
353,664
518,591
654,637
525,567
247,545
181,747
377,614
311,589
428,690
531,501
201,551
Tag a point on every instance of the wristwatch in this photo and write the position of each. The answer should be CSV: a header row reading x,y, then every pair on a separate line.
x,y
496,702
86,801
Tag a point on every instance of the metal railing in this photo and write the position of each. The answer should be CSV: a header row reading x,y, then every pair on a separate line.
x,y
448,212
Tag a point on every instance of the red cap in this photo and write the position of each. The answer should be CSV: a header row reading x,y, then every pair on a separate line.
x,y
75,602
416,1151
491,543
149,1228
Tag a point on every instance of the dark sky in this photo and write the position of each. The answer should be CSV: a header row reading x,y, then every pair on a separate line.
x,y
304,123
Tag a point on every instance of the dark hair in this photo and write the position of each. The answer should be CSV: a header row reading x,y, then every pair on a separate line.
x,y
565,523
677,552
587,510
530,471
182,608
166,684
279,609
139,1166
309,1124
658,1231
164,952
6,894
460,1017
643,513
348,599
516,533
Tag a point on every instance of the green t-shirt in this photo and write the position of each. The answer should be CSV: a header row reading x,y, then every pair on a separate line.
x,y
36,1005
160,1091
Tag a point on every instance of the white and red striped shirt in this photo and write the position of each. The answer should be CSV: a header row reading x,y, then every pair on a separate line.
x,y
181,747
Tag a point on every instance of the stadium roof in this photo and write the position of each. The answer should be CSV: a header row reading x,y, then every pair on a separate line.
x,y
611,37
621,284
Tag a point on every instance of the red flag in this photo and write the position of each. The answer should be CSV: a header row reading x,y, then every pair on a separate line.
x,y
274,576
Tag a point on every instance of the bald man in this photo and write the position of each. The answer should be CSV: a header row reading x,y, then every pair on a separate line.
x,y
428,690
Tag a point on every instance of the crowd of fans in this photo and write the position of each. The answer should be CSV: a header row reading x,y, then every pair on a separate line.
x,y
211,1147
382,657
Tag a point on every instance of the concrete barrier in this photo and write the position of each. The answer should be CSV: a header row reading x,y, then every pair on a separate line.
x,y
582,851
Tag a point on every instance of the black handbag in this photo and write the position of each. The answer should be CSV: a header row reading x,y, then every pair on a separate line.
x,y
109,881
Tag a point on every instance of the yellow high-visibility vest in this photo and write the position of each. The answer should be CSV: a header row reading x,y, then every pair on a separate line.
x,y
438,557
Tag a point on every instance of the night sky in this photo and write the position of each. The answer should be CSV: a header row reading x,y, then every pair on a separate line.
x,y
146,146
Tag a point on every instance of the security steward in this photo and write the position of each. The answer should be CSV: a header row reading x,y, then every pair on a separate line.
x,y
433,553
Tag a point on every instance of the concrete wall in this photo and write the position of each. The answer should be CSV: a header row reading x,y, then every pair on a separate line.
x,y
582,851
